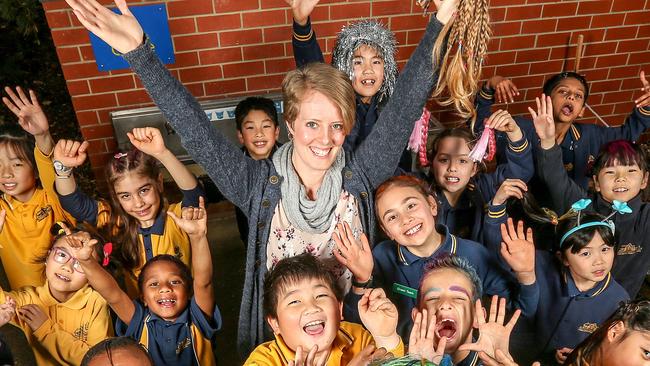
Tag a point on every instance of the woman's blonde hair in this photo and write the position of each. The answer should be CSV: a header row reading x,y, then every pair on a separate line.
x,y
467,34
332,83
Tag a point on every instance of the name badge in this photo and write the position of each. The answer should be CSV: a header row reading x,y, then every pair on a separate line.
x,y
405,290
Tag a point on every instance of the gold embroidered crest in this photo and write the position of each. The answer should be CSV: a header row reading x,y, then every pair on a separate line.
x,y
81,333
182,345
588,328
568,167
43,213
629,249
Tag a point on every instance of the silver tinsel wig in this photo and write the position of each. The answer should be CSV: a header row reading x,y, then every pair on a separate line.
x,y
375,35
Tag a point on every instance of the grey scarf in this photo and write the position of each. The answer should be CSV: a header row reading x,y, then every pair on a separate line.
x,y
307,215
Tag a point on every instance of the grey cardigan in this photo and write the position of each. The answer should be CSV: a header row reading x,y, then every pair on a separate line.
x,y
254,186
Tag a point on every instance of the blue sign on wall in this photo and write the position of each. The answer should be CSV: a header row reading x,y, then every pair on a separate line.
x,y
153,19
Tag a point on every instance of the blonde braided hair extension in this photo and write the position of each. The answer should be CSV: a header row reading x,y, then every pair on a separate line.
x,y
467,34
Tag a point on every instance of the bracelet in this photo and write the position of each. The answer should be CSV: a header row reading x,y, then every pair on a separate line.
x,y
63,176
361,284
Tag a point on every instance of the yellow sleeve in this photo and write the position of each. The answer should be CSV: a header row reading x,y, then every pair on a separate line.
x,y
22,296
67,349
264,355
45,171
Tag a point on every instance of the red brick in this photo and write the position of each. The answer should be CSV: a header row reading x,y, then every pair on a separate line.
x,y
85,118
68,54
69,37
79,71
632,45
59,19
240,37
200,73
331,29
221,55
54,5
264,82
99,160
539,26
133,97
225,86
602,48
185,59
267,4
545,68
532,55
97,131
278,34
519,69
497,14
82,103
111,144
644,31
595,74
182,26
218,22
609,60
394,7
196,89
609,20
589,36
96,146
195,42
495,3
565,9
617,97
188,7
574,23
513,43
621,33
501,58
279,66
227,6
108,84
262,18
264,51
594,7
639,58
585,63
243,69
524,12
78,87
506,29
87,53
413,37
407,22
626,5
605,86
349,11
552,39
623,72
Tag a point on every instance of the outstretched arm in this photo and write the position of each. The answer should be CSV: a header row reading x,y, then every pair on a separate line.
x,y
636,123
193,221
305,46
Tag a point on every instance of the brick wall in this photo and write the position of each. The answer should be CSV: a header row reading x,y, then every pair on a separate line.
x,y
238,47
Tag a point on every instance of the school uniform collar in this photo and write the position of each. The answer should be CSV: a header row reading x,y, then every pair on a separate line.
x,y
158,227
573,291
605,208
76,302
449,244
572,135
35,200
342,341
464,202
184,318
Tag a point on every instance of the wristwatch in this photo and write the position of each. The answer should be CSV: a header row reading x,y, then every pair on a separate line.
x,y
61,170
362,284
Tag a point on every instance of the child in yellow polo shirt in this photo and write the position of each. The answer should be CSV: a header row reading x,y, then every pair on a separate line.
x,y
28,208
63,317
303,305
135,215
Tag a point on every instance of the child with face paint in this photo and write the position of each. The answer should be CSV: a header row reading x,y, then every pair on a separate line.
x,y
619,174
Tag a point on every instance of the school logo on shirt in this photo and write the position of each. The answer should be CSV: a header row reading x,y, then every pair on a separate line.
x,y
629,249
588,328
43,213
81,333
182,345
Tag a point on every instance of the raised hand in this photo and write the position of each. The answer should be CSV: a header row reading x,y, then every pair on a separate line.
x,y
504,89
518,250
493,335
643,100
446,9
149,140
561,354
509,188
502,121
33,315
422,338
30,115
304,358
369,354
193,220
71,153
543,121
7,310
379,315
82,246
352,253
302,9
120,31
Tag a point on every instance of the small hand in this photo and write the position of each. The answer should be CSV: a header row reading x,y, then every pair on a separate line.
x,y
543,121
446,10
120,31
509,188
355,254
369,354
82,246
561,354
379,315
33,315
71,153
302,9
422,338
518,250
643,100
502,121
28,110
193,220
149,140
7,310
493,335
304,358
505,90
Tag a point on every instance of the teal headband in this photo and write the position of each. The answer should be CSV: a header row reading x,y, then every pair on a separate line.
x,y
586,225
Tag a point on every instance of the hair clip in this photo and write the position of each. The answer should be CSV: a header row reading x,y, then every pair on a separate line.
x,y
551,215
120,155
108,249
579,206
619,207
485,148
61,229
